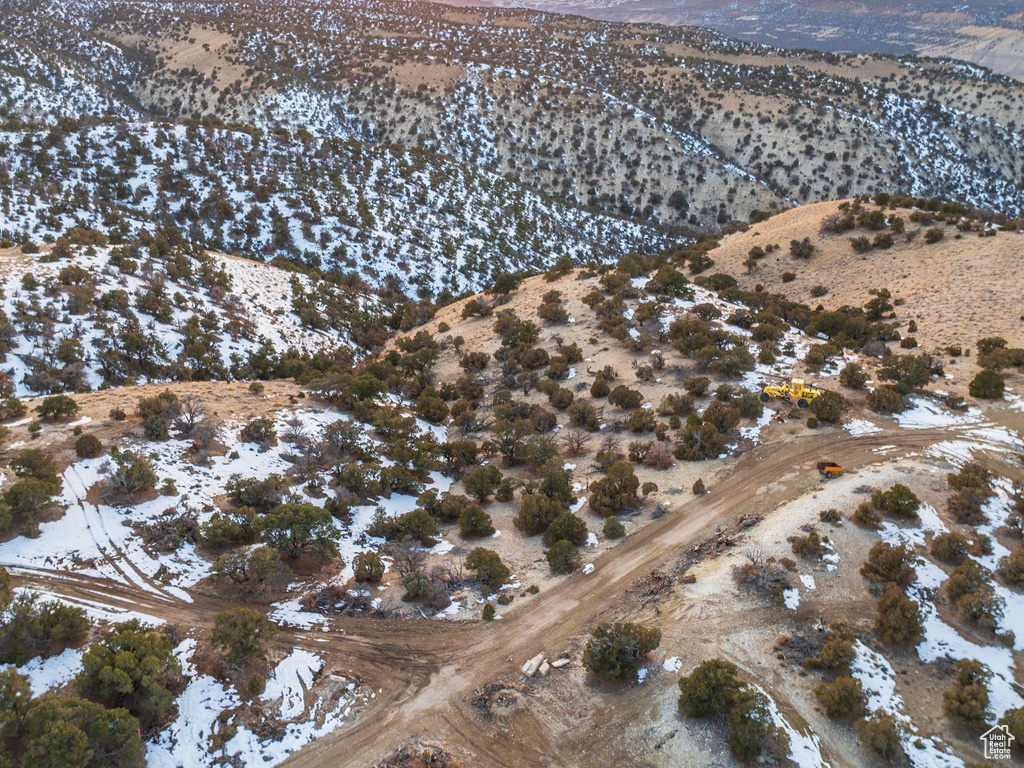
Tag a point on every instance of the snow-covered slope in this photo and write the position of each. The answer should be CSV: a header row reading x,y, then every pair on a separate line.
x,y
399,218
86,322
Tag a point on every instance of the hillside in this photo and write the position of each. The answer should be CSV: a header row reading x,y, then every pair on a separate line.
x,y
572,413
83,317
427,149
957,290
395,219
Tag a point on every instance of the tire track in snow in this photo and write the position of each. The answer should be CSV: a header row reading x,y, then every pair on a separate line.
x,y
97,528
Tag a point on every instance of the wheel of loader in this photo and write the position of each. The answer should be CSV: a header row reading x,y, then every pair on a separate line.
x,y
765,397
830,474
802,402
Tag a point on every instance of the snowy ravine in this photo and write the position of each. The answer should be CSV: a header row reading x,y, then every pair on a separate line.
x,y
188,741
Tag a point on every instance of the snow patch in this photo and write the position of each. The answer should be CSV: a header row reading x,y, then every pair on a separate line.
x,y
53,672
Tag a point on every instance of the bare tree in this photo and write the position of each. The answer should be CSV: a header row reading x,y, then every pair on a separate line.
x,y
527,381
470,422
295,431
206,432
611,443
191,412
575,441
764,574
659,456
406,557
452,567
309,456
341,438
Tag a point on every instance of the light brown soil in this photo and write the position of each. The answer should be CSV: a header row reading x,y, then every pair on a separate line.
x,y
957,290
224,400
425,670
439,76
999,49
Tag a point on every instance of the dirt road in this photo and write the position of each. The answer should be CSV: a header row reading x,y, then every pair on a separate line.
x,y
438,707
426,670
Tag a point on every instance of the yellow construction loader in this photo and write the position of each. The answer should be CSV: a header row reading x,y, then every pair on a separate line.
x,y
795,391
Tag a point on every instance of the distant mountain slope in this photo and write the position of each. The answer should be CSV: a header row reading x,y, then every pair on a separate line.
x,y
407,219
673,126
41,85
989,33
429,148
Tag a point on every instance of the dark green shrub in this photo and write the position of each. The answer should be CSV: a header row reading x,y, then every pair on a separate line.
x,y
831,516
56,407
713,690
885,400
489,569
563,557
88,447
969,577
968,699
625,398
898,500
473,521
890,564
536,513
131,667
369,568
843,698
257,685
950,547
31,625
853,376
988,385
837,652
807,547
697,386
482,482
830,407
242,633
1014,720
616,650
613,528
616,491
880,734
899,618
260,431
567,527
